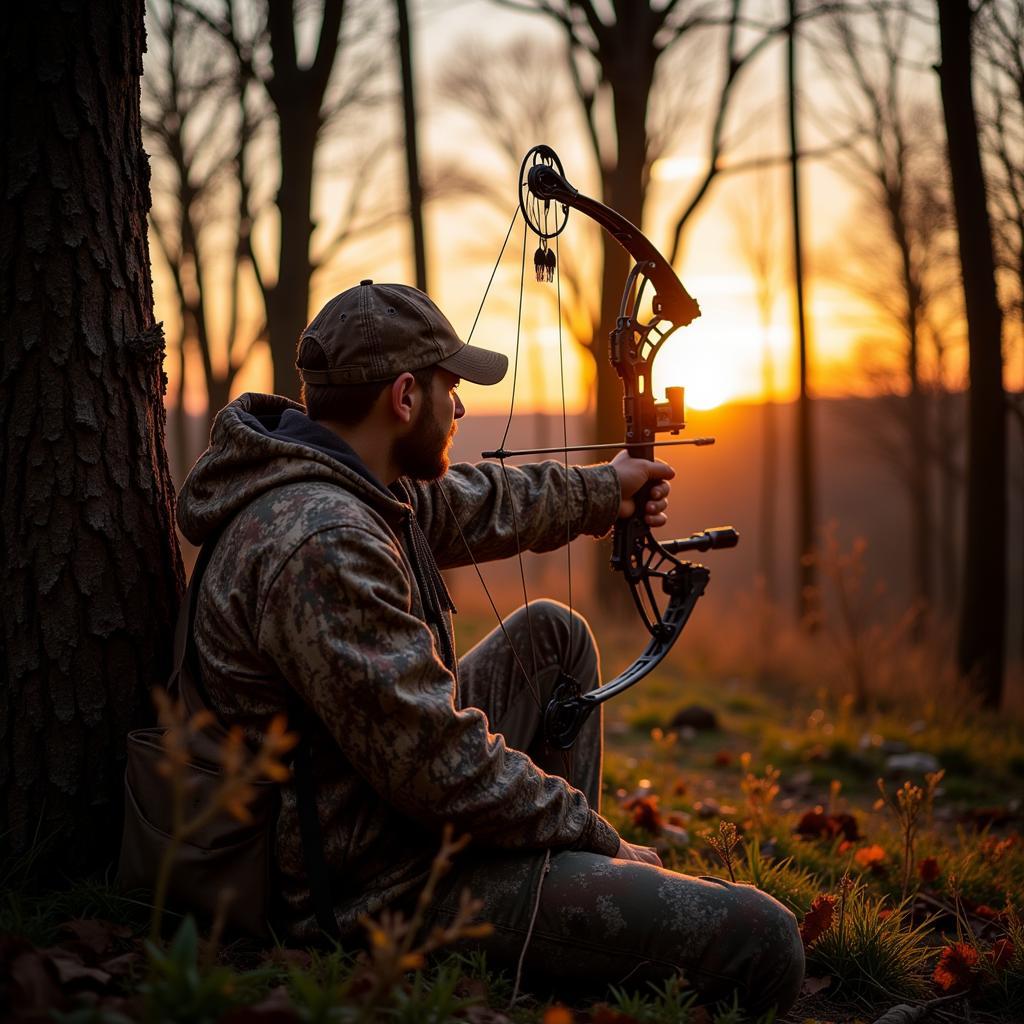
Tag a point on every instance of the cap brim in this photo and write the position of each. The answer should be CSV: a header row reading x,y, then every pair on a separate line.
x,y
477,365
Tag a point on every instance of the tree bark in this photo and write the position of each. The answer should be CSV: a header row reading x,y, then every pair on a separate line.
x,y
983,610
93,571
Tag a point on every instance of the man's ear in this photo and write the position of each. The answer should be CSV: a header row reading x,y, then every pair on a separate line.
x,y
403,397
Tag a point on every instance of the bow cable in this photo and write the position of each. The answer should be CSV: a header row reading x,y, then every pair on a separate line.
x,y
531,680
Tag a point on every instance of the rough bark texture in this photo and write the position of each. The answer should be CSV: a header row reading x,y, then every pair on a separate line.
x,y
92,570
983,608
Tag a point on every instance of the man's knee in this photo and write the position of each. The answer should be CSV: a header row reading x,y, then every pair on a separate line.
x,y
770,949
572,636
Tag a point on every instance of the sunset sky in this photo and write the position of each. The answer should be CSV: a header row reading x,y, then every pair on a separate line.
x,y
720,357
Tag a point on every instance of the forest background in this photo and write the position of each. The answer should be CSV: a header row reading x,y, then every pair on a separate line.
x,y
841,186
401,146
861,364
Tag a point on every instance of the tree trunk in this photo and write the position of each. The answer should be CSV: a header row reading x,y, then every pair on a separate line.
x,y
412,159
806,504
297,94
919,486
288,299
983,610
631,79
93,572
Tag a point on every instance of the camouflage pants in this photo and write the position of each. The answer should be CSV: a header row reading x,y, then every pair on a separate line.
x,y
600,921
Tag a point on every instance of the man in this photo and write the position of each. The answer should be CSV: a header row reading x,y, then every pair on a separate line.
x,y
332,522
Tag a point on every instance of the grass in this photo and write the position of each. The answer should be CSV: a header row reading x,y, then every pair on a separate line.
x,y
922,893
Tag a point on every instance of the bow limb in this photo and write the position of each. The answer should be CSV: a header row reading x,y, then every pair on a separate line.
x,y
568,709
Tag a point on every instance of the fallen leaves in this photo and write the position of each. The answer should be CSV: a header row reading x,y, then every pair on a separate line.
x,y
816,824
957,968
646,814
85,964
818,919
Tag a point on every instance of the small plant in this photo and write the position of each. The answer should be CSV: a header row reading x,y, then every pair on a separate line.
x,y
931,785
669,1003
760,792
907,805
724,844
180,987
872,951
793,886
396,946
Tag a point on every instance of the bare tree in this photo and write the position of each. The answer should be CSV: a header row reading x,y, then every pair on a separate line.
x,y
92,572
806,482
187,88
869,58
1000,48
311,100
615,55
983,614
758,233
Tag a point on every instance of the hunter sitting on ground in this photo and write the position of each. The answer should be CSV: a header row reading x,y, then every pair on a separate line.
x,y
325,582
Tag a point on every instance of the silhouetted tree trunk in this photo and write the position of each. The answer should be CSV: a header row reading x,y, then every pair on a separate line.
x,y
412,159
983,612
999,38
92,570
805,479
297,94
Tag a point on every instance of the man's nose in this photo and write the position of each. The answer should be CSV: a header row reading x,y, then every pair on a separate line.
x,y
460,409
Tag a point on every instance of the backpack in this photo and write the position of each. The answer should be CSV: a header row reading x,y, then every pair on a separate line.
x,y
226,853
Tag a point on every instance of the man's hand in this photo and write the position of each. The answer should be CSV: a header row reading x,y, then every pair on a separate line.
x,y
640,854
633,474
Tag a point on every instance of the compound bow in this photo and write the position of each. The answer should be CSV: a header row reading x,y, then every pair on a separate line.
x,y
634,344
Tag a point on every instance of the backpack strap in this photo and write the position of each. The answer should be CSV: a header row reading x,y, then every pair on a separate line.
x,y
188,677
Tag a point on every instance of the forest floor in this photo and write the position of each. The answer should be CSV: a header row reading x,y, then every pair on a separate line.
x,y
889,824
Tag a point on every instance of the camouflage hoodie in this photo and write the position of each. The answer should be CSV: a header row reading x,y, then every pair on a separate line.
x,y
314,586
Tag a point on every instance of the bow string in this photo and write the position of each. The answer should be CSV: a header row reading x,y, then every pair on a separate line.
x,y
664,587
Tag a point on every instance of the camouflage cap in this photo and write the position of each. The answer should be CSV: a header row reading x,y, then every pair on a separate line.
x,y
377,331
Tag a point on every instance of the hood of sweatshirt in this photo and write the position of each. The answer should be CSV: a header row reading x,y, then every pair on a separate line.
x,y
260,442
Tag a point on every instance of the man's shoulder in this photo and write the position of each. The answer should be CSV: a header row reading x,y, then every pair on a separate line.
x,y
287,515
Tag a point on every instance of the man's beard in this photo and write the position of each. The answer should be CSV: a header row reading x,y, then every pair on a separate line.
x,y
423,453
